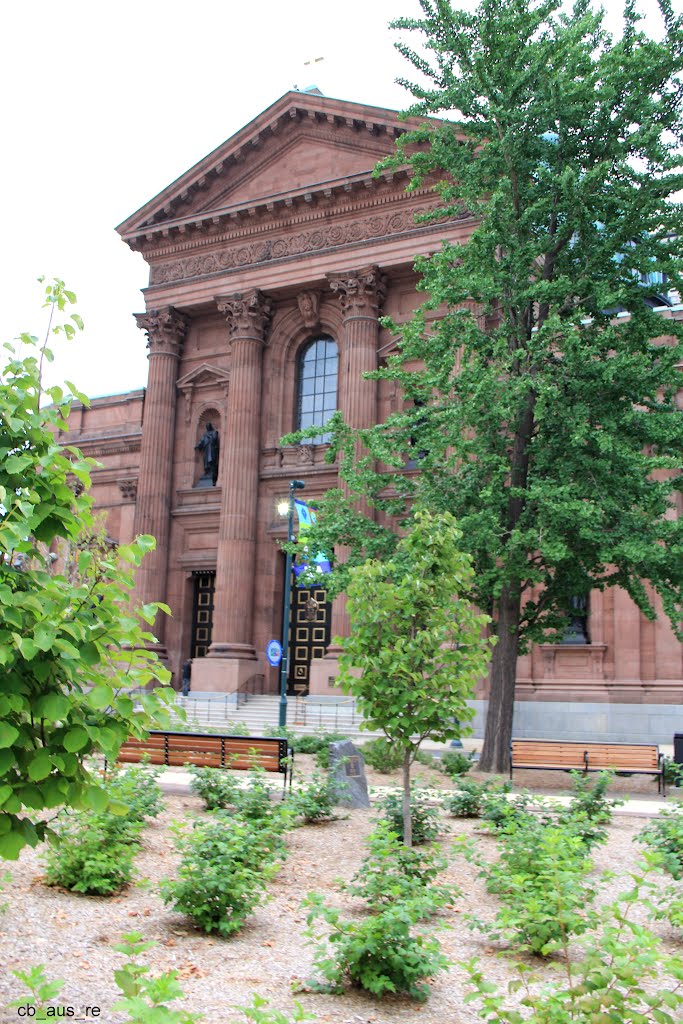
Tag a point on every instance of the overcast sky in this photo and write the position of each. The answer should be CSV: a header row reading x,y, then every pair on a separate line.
x,y
105,105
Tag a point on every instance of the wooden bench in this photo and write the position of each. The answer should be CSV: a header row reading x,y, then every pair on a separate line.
x,y
236,753
560,755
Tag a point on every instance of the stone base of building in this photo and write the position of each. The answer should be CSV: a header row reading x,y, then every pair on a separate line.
x,y
323,678
223,675
585,720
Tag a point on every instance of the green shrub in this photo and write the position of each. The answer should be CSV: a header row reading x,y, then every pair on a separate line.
x,y
225,864
395,873
314,803
500,812
214,786
260,1013
254,802
379,954
425,818
93,853
541,880
664,834
469,798
137,788
381,755
622,975
315,742
673,772
455,763
143,997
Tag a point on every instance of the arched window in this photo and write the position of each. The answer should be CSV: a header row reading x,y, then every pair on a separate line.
x,y
317,386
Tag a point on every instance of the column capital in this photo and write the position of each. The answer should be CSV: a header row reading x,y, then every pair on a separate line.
x,y
247,314
361,292
165,328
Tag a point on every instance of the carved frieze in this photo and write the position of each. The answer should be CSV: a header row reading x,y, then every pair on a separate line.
x,y
361,292
165,329
247,314
316,239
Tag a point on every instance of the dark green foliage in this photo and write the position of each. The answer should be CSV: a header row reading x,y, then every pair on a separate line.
x,y
315,742
425,818
546,424
381,954
455,763
673,772
94,853
395,873
215,786
382,755
225,865
471,796
665,835
136,787
589,809
255,802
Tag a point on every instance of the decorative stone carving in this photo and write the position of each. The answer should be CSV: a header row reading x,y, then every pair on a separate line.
x,y
165,329
361,292
204,381
309,307
247,314
129,489
317,239
305,455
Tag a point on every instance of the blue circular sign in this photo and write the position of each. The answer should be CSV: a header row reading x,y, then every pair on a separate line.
x,y
274,652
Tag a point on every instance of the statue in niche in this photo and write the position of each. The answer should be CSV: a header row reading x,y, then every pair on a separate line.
x,y
209,446
577,626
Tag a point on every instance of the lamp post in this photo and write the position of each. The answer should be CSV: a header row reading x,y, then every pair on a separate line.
x,y
294,485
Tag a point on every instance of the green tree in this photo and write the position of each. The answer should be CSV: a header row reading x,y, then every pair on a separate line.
x,y
417,646
557,441
71,647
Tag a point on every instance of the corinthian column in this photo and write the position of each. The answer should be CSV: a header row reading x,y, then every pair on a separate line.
x,y
248,316
166,329
361,294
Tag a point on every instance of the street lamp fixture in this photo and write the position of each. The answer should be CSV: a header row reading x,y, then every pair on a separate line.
x,y
287,508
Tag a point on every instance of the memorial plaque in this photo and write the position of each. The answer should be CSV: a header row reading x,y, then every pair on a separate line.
x,y
347,771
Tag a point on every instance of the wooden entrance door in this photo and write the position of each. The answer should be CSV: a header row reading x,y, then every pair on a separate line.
x,y
309,635
202,612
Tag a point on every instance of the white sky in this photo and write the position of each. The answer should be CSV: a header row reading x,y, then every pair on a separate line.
x,y
105,105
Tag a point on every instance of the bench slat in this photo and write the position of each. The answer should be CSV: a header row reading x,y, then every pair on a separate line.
x,y
564,755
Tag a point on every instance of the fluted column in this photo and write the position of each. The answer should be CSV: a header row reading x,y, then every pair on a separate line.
x,y
166,329
361,294
248,317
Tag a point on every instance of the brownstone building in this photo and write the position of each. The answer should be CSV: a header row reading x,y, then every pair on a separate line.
x,y
270,262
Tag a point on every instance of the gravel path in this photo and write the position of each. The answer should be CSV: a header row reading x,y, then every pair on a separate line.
x,y
73,935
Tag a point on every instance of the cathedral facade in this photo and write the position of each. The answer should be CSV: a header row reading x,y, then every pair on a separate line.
x,y
270,262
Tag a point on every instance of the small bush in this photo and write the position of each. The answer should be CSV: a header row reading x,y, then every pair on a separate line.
x,y
225,864
315,802
136,786
455,763
425,818
254,802
382,756
379,954
214,786
93,853
394,873
469,798
143,997
664,834
541,880
673,772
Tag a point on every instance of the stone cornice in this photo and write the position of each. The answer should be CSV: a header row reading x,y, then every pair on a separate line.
x,y
348,196
116,444
328,235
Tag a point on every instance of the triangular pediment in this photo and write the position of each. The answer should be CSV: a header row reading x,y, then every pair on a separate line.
x,y
203,376
303,141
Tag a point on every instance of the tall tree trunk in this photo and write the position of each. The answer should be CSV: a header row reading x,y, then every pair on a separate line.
x,y
407,820
495,755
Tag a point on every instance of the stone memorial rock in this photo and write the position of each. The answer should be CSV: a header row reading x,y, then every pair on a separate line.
x,y
347,771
